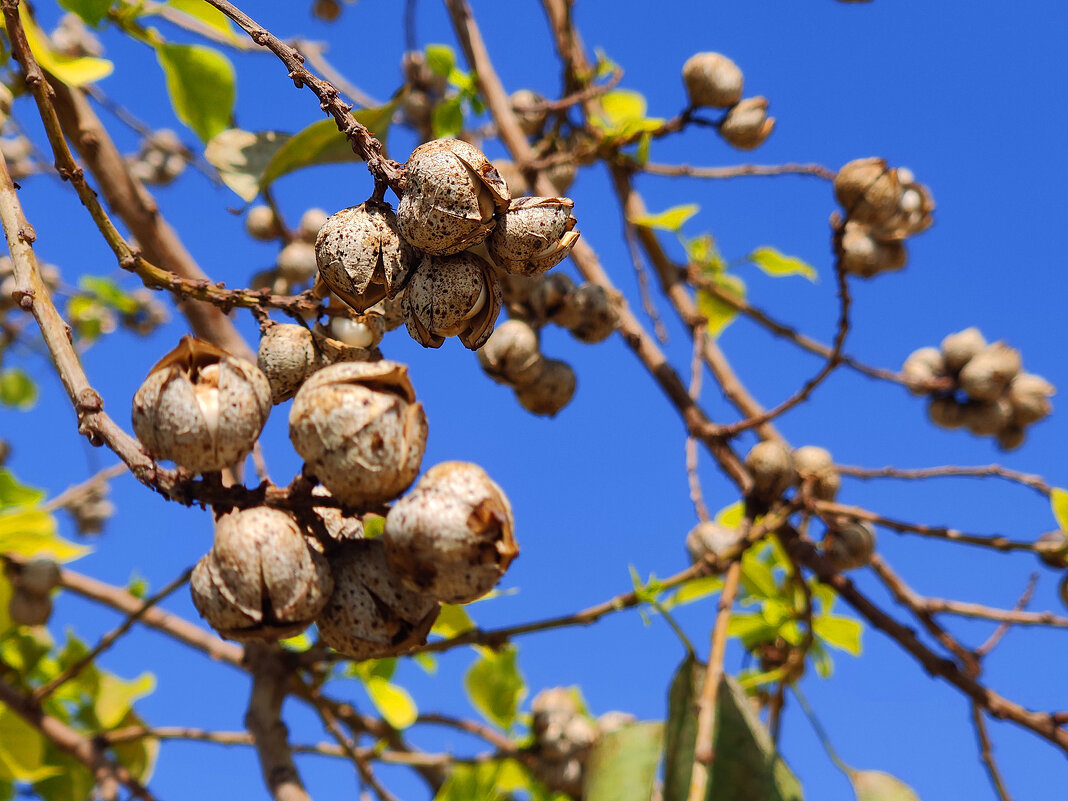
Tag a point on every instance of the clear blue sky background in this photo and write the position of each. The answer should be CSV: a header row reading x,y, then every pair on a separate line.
x,y
969,95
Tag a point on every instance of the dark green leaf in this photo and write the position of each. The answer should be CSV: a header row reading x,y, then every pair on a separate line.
x,y
17,389
91,11
440,58
12,493
775,263
201,84
622,766
448,117
495,685
874,785
680,731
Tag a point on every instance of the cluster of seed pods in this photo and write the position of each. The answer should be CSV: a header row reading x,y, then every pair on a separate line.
x,y
715,81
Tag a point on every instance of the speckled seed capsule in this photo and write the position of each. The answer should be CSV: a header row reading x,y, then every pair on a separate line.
x,y
813,462
511,355
391,310
868,190
1029,395
588,314
371,614
1052,549
201,408
534,235
553,390
452,536
449,296
708,538
563,736
260,580
959,348
360,430
452,196
849,545
921,368
988,373
865,256
287,356
771,468
296,262
361,255
549,294
713,80
747,125
946,412
364,333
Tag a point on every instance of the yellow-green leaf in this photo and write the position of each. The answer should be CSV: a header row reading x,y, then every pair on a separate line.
x,y
242,156
731,516
623,763
137,756
1058,499
32,532
495,686
300,643
452,620
71,70
840,632
21,750
440,58
91,11
775,263
17,389
751,628
392,702
209,15
622,105
12,493
671,220
115,696
201,84
719,313
697,588
875,785
373,526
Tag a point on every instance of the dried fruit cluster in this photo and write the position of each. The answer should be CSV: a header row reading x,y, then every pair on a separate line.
x,y
161,159
295,264
713,80
978,386
883,207
775,468
32,582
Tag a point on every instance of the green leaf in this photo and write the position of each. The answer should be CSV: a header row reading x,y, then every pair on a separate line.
x,y
441,59
680,731
695,589
641,155
115,696
703,252
298,643
495,686
241,158
487,781
209,15
718,313
775,263
757,576
448,117
17,389
137,756
201,84
74,782
12,493
751,628
874,785
392,702
71,70
22,750
840,632
1058,499
670,220
109,293
373,526
731,516
452,621
622,105
622,765
751,680
32,532
91,11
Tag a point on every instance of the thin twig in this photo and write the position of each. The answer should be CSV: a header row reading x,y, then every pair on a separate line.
x,y
983,471
77,490
738,170
692,474
986,753
1005,625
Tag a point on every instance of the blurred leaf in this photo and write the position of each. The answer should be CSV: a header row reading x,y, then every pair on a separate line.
x,y
680,731
495,686
821,660
115,696
775,263
22,749
109,293
12,493
452,620
74,782
621,105
448,117
751,628
137,756
392,702
622,765
373,526
719,313
427,662
241,157
209,15
71,70
670,220
5,599
1059,501
841,632
757,576
440,58
201,84
32,532
641,155
703,252
695,589
137,585
731,516
91,11
751,680
17,389
874,785
299,643
374,668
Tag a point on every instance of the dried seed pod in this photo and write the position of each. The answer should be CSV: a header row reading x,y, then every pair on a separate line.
x,y
1029,395
561,175
588,314
310,223
260,223
296,262
327,10
534,235
988,373
201,408
371,614
260,580
958,348
391,310
946,412
287,356
708,538
1011,437
361,255
865,256
713,80
560,725
360,430
849,545
771,467
456,295
37,577
987,418
747,124
419,73
1062,590
1052,549
511,355
922,368
452,536
338,526
814,463
452,196
553,390
29,610
333,349
530,120
868,190
549,294
364,333
418,109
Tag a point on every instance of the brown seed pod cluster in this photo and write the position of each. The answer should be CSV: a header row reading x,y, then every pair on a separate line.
x,y
563,736
32,582
774,468
714,81
978,386
848,544
425,89
295,266
883,207
161,159
19,155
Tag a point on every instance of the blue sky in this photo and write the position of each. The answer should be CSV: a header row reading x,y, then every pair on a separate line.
x,y
966,95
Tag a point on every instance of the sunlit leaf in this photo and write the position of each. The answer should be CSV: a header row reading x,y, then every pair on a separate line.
x,y
32,532
71,70
751,680
17,389
843,633
751,628
703,252
108,292
719,313
874,785
622,765
695,589
757,576
73,782
91,11
373,526
299,643
452,621
448,117
201,84
440,58
392,702
495,686
115,696
137,756
775,263
22,749
427,662
622,105
209,15
1058,499
671,220
241,157
12,493
731,516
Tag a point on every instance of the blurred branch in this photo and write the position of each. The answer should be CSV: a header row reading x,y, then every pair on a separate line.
x,y
76,491
738,170
315,53
987,471
986,753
